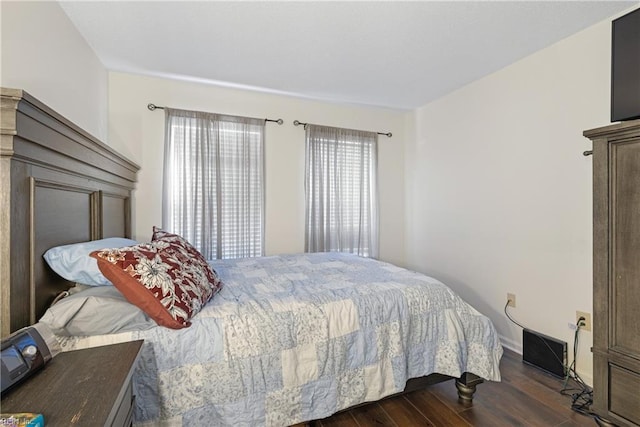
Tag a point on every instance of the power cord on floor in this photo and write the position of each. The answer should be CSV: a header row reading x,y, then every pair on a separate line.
x,y
581,394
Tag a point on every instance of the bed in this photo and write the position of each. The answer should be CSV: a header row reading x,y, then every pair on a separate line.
x,y
287,339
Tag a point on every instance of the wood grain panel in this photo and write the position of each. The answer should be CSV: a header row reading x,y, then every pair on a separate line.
x,y
404,413
5,230
426,402
46,128
625,393
82,386
373,415
600,272
625,206
114,215
343,419
61,215
17,308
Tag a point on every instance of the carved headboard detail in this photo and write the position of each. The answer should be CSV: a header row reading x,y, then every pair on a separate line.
x,y
58,185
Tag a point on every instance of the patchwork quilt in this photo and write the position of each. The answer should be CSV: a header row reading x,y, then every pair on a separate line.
x,y
300,337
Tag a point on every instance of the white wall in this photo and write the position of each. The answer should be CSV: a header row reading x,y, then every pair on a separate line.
x,y
139,134
499,194
44,54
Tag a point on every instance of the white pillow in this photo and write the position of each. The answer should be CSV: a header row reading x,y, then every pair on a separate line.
x,y
95,311
74,263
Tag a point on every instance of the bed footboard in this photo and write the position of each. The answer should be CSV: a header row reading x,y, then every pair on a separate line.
x,y
466,386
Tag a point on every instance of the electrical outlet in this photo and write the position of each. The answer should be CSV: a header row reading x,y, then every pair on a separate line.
x,y
512,300
586,322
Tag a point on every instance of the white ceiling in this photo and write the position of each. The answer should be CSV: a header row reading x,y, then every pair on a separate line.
x,y
393,54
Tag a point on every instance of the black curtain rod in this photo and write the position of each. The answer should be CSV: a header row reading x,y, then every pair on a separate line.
x,y
152,107
298,123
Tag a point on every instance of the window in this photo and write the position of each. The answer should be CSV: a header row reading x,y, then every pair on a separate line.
x,y
214,182
341,191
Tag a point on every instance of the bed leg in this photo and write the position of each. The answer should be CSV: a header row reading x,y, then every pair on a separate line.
x,y
466,386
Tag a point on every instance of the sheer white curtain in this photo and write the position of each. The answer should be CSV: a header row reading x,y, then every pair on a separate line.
x,y
214,182
341,191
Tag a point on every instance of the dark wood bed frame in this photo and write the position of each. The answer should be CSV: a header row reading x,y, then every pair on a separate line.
x,y
60,185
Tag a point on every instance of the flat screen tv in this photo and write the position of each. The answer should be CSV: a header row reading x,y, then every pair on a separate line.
x,y
625,67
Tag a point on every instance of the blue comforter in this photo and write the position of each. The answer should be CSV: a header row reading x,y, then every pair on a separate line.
x,y
299,337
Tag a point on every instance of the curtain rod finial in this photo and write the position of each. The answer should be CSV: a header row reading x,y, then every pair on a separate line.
x,y
151,107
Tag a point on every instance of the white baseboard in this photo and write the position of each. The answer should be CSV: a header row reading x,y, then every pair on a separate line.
x,y
512,345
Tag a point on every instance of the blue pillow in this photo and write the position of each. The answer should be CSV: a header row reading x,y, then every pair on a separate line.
x,y
74,263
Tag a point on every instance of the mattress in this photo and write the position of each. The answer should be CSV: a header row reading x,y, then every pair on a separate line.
x,y
299,337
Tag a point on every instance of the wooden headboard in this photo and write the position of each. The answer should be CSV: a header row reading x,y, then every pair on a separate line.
x,y
58,185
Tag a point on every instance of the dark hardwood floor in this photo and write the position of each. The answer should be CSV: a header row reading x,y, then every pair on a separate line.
x,y
525,397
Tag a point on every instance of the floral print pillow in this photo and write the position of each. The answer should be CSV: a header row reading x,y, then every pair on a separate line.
x,y
175,239
160,234
168,280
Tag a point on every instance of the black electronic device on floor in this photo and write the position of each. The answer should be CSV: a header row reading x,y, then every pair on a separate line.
x,y
544,352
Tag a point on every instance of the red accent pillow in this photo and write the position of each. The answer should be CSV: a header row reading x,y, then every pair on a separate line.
x,y
160,234
175,239
169,281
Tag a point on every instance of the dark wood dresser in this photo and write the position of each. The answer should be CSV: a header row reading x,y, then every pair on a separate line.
x,y
90,387
616,272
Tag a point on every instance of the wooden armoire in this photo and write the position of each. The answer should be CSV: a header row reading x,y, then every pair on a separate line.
x,y
616,272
